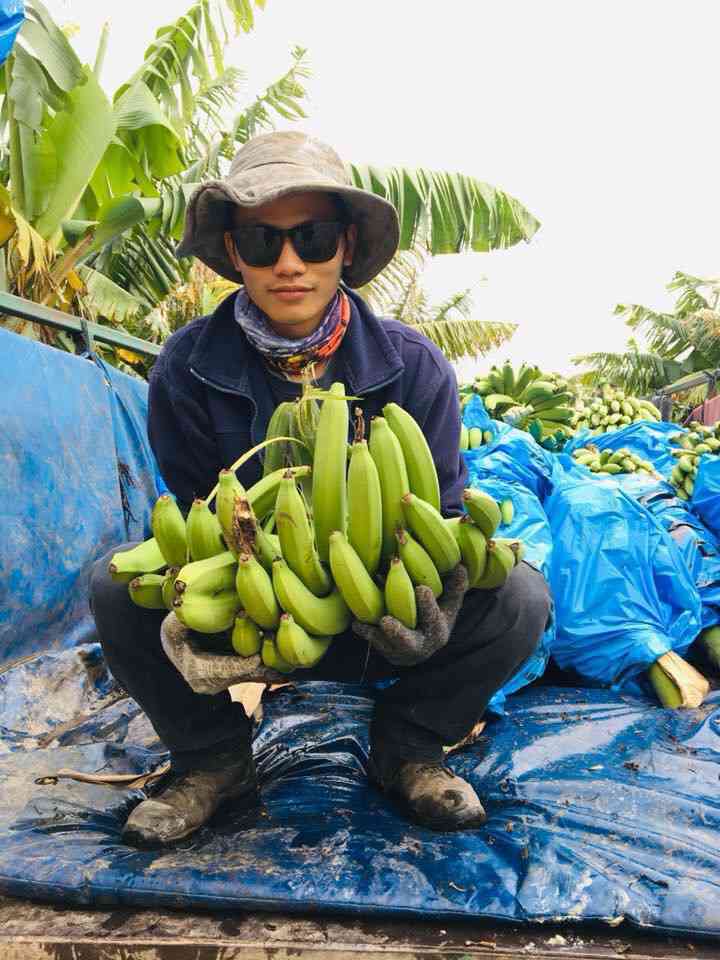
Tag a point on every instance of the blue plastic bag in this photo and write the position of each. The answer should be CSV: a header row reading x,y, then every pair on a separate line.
x,y
12,14
706,495
530,524
513,455
623,592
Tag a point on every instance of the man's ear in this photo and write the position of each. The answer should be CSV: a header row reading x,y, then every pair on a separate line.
x,y
231,250
350,241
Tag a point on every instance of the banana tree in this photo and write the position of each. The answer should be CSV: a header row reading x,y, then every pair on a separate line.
x,y
95,190
677,345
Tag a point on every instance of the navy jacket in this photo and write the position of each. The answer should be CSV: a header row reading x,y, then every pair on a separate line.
x,y
210,399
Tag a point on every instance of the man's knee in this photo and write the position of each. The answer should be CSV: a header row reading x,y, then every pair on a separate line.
x,y
528,605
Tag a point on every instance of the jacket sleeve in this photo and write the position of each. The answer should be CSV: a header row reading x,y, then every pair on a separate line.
x,y
180,433
439,418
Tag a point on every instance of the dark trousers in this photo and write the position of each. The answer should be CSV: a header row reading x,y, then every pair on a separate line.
x,y
437,702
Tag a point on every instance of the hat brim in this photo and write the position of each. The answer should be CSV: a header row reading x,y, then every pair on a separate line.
x,y
378,230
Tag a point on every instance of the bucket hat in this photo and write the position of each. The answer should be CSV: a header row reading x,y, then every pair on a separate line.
x,y
275,165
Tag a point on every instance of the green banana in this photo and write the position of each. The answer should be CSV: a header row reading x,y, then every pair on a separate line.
x,y
246,638
473,549
144,558
495,400
508,375
229,490
320,616
364,500
146,591
537,391
255,590
329,490
487,436
276,454
464,438
418,562
524,376
296,646
422,475
709,641
387,453
355,584
483,509
507,512
262,495
267,548
297,542
400,594
204,537
475,437
168,527
500,562
168,586
207,576
426,523
271,657
205,599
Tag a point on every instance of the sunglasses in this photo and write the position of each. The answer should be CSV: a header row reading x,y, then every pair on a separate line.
x,y
314,241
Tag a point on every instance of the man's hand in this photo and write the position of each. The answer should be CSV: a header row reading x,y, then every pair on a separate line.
x,y
406,648
210,672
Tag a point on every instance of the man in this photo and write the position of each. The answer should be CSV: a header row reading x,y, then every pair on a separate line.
x,y
288,226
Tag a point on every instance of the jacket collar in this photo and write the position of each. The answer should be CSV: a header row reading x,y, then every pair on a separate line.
x,y
223,357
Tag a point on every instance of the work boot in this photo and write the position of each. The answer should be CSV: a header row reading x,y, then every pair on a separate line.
x,y
432,795
188,801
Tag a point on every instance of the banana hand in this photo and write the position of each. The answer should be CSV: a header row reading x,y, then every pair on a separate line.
x,y
435,622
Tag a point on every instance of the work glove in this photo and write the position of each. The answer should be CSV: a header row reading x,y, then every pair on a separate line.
x,y
210,672
436,618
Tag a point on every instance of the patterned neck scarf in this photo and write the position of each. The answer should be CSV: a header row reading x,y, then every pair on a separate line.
x,y
292,356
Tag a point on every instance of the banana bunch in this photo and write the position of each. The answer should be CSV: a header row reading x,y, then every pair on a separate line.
x,y
473,437
611,410
282,571
612,461
699,440
525,397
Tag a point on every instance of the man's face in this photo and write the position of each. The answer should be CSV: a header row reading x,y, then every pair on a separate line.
x,y
293,293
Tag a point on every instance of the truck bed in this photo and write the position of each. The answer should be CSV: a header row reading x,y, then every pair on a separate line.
x,y
32,931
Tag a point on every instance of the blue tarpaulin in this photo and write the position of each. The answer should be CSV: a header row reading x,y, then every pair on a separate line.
x,y
12,14
601,804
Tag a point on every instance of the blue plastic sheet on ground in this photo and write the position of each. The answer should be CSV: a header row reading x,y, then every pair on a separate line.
x,y
600,806
513,455
623,592
12,14
73,454
647,438
706,495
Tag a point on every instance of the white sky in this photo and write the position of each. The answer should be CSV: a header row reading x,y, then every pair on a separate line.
x,y
599,116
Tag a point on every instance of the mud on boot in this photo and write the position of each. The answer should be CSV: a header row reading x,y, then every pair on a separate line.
x,y
187,801
428,791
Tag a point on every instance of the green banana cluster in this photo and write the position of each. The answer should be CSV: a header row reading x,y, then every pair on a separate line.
x,y
612,461
473,437
611,410
285,566
525,398
698,441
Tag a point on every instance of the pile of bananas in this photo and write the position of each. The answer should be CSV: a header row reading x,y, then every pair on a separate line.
x,y
287,564
525,397
692,445
612,461
612,410
473,437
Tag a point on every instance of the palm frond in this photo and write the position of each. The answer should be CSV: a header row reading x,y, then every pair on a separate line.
x,y
283,98
465,337
448,212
